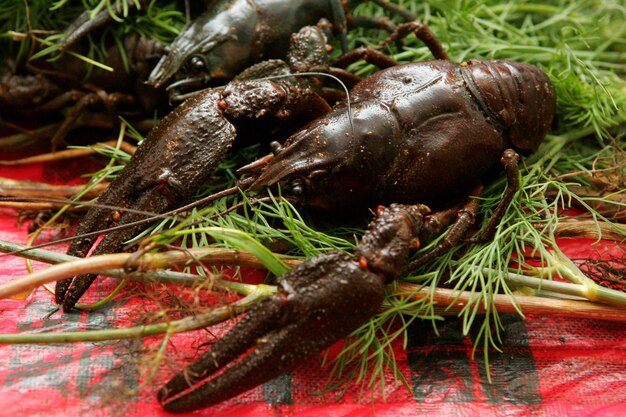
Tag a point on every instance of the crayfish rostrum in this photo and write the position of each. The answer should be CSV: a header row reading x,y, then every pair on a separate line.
x,y
412,134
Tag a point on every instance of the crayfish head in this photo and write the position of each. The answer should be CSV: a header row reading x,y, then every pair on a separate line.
x,y
206,49
301,167
323,164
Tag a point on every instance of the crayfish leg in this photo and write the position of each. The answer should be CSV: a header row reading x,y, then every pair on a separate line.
x,y
423,33
509,160
466,216
369,55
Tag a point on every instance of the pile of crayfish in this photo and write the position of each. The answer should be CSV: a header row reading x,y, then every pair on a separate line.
x,y
412,141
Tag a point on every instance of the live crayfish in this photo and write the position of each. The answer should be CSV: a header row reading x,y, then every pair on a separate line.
x,y
47,89
207,125
422,132
232,35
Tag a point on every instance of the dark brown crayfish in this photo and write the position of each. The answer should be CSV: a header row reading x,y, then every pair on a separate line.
x,y
46,89
232,35
235,34
182,151
423,132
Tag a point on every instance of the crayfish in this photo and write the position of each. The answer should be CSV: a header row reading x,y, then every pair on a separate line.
x,y
232,35
46,89
412,134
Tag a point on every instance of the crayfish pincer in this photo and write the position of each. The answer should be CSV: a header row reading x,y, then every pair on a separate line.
x,y
319,302
181,152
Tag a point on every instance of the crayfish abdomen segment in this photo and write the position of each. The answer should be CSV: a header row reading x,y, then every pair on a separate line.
x,y
518,98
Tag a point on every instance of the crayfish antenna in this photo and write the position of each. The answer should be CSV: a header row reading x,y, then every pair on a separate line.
x,y
256,165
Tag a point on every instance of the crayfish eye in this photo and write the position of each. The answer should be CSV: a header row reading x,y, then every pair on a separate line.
x,y
297,187
196,62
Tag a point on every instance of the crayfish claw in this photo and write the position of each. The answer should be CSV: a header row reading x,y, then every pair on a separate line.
x,y
86,23
172,162
69,291
319,302
82,26
314,308
179,394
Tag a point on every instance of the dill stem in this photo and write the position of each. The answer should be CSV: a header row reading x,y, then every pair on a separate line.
x,y
563,288
19,206
107,264
568,270
69,154
242,240
30,189
591,290
453,299
194,322
66,270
